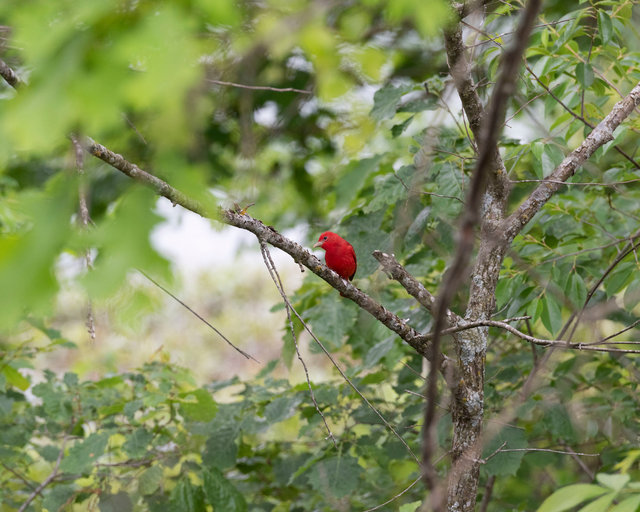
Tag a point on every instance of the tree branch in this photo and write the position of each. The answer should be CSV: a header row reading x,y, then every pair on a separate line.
x,y
600,135
576,345
134,172
391,266
271,236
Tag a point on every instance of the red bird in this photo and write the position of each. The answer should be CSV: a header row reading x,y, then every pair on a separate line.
x,y
339,254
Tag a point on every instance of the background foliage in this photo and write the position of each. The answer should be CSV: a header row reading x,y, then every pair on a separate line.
x,y
371,143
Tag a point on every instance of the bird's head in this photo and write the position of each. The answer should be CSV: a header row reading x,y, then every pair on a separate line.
x,y
326,239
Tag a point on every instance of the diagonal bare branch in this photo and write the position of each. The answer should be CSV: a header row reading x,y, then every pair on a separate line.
x,y
601,134
412,285
271,236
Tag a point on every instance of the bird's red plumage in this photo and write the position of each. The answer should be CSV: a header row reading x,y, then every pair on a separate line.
x,y
339,254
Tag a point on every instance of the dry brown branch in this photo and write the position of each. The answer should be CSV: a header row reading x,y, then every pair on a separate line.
x,y
391,266
271,236
601,134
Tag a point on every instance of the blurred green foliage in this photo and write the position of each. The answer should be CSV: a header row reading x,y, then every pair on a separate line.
x,y
364,140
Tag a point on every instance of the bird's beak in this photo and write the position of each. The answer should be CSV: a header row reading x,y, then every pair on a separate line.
x,y
318,244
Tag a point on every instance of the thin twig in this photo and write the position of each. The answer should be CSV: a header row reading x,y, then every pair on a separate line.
x,y
580,462
18,475
275,276
597,284
341,371
46,481
415,372
539,341
85,221
394,498
258,87
550,450
488,491
202,319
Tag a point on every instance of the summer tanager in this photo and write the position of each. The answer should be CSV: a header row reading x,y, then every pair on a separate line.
x,y
339,254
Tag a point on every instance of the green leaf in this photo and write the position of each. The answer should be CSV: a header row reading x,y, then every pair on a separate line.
x,y
570,496
337,476
584,74
221,493
599,505
331,319
558,423
615,481
552,156
605,26
619,278
385,101
198,405
378,351
288,348
354,177
221,449
27,259
84,453
221,12
410,507
551,313
120,502
49,452
428,17
630,504
576,290
389,189
15,378
137,443
186,497
505,463
123,243
281,408
398,129
57,497
150,480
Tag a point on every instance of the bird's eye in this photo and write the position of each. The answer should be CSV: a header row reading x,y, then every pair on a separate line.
x,y
325,238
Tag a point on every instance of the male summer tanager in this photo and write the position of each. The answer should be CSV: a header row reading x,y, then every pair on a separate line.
x,y
339,254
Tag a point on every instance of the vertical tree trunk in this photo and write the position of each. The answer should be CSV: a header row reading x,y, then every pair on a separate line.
x,y
467,406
